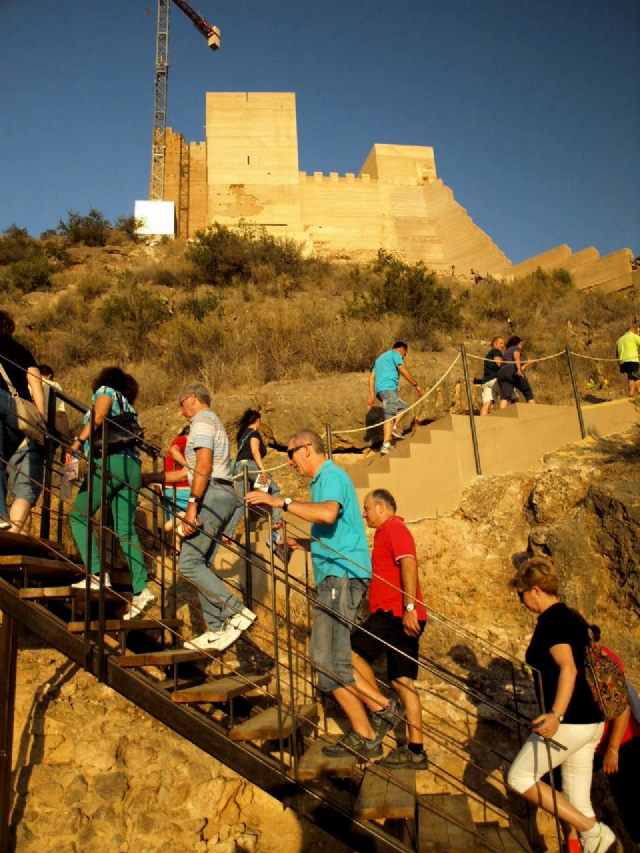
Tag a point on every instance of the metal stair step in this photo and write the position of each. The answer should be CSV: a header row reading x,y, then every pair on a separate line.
x,y
438,834
387,795
264,726
221,689
167,657
126,625
313,763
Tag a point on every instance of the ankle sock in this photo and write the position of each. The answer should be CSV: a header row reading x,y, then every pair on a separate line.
x,y
594,832
415,748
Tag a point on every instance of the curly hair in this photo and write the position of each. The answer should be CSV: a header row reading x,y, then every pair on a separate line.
x,y
7,324
538,571
114,377
248,417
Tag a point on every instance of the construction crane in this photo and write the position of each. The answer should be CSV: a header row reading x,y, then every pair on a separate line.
x,y
158,144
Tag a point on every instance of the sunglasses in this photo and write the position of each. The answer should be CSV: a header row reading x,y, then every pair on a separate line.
x,y
292,450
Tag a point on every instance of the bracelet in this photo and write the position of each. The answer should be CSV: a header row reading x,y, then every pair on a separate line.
x,y
611,749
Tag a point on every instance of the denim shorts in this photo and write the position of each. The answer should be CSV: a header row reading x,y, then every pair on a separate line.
x,y
391,403
26,472
338,601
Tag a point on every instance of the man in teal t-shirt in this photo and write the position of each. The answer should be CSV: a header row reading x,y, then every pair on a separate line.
x,y
342,572
384,380
627,349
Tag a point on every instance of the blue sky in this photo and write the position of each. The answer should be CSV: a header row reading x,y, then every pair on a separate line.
x,y
532,106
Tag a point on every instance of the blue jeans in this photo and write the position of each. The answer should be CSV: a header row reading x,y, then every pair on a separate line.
x,y
10,439
26,472
391,403
253,470
338,601
197,554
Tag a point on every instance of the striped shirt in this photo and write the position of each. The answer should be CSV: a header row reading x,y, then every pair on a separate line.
x,y
207,430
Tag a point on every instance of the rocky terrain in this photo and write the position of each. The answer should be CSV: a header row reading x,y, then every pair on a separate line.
x,y
93,773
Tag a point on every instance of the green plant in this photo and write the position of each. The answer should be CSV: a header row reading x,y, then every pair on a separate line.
x,y
91,229
17,245
199,306
31,275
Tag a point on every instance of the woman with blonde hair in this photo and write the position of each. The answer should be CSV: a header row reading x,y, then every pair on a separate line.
x,y
571,718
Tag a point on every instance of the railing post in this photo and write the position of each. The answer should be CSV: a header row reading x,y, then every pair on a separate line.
x,y
329,442
8,667
49,452
102,612
91,469
474,437
583,431
248,566
276,650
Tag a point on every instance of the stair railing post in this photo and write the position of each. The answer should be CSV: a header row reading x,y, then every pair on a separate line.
x,y
474,437
293,695
248,566
102,538
329,441
276,647
90,544
8,667
49,452
583,431
554,796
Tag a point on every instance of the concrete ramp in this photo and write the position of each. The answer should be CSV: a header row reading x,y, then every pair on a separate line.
x,y
427,472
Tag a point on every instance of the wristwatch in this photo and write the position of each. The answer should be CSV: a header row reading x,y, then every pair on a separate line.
x,y
287,503
193,500
556,714
409,608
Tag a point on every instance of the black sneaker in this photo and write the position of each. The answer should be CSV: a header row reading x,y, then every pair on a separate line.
x,y
353,744
383,721
403,757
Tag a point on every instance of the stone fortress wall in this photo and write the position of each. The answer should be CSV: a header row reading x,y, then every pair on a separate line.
x,y
248,169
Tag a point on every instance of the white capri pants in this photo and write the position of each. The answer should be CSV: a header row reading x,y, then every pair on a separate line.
x,y
576,762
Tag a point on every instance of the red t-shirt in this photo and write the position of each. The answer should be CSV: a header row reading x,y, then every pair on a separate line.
x,y
170,464
632,730
391,542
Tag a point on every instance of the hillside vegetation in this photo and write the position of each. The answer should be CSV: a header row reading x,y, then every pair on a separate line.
x,y
239,308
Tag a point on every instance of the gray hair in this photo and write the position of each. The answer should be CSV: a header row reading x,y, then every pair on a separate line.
x,y
385,497
199,391
307,436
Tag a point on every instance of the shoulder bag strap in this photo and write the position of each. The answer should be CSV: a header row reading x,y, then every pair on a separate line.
x,y
10,384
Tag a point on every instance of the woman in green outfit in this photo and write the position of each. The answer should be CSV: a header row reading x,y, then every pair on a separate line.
x,y
114,393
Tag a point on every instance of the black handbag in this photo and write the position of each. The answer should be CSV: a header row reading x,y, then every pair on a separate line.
x,y
123,433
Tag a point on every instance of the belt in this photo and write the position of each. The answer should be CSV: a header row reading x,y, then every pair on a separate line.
x,y
217,481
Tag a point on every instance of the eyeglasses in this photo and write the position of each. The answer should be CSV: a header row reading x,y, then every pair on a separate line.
x,y
182,402
292,450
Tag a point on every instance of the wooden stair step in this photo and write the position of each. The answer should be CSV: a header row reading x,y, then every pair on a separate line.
x,y
15,543
313,763
264,726
436,834
491,831
166,657
384,795
221,689
510,838
37,566
183,683
34,593
126,625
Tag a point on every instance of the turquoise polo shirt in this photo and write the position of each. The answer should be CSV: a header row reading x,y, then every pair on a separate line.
x,y
386,371
346,535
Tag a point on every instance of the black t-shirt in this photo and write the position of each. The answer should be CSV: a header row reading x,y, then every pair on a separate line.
x,y
560,625
490,367
245,445
11,354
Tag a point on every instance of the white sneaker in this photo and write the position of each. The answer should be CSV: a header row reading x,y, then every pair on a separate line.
x,y
397,434
214,641
94,581
385,449
4,524
243,620
598,843
139,603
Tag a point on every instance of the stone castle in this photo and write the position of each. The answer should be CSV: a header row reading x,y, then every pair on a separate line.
x,y
247,168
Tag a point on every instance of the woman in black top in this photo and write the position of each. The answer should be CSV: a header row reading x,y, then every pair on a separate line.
x,y
251,451
574,719
22,370
511,374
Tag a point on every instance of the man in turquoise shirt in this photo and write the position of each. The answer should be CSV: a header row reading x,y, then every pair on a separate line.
x,y
342,571
383,384
627,349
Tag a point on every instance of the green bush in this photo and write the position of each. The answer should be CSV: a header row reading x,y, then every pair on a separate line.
x,y
409,291
199,306
223,255
92,229
28,276
16,245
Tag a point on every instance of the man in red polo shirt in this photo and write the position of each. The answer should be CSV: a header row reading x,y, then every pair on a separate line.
x,y
397,620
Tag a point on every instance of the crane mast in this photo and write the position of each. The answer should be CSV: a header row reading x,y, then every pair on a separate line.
x,y
158,143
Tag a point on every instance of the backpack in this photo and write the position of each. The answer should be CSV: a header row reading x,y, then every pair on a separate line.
x,y
606,681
